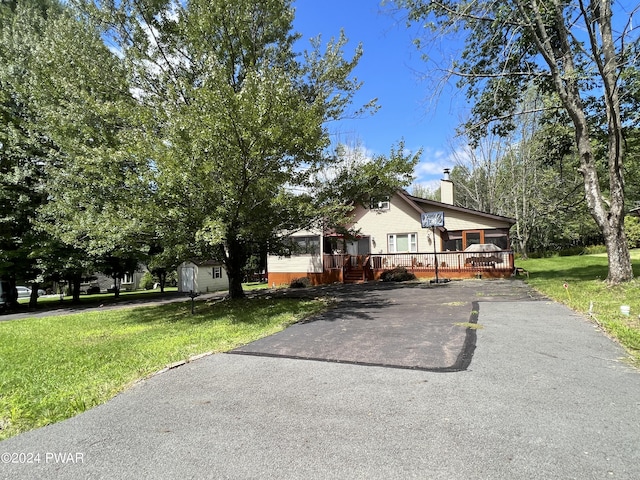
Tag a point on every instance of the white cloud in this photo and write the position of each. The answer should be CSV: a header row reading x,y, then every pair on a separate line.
x,y
432,165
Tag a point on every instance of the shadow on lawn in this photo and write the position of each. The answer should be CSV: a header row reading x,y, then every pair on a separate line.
x,y
246,311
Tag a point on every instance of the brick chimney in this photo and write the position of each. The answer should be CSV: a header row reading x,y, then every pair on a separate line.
x,y
446,188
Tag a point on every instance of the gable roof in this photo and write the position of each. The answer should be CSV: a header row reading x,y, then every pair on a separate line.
x,y
422,205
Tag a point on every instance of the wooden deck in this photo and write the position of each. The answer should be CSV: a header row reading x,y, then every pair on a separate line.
x,y
353,268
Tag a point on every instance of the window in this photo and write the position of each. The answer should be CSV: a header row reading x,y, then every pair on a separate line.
x,y
473,237
308,245
217,272
127,278
403,242
459,240
453,242
499,237
379,203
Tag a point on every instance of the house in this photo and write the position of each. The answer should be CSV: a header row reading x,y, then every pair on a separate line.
x,y
99,282
458,243
203,277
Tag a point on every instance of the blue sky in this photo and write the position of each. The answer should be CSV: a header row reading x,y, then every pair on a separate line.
x,y
393,71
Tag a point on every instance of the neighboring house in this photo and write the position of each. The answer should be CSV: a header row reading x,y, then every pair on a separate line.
x,y
202,277
390,234
130,282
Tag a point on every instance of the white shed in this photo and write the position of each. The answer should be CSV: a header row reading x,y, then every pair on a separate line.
x,y
202,277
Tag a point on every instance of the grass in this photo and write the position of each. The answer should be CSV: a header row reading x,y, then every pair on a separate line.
x,y
579,282
55,367
472,326
46,301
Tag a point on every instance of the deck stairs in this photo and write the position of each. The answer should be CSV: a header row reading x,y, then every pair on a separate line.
x,y
354,275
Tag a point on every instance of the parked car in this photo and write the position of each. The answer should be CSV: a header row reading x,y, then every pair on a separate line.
x,y
25,292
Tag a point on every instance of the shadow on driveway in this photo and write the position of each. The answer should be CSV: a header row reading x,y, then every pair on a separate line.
x,y
413,325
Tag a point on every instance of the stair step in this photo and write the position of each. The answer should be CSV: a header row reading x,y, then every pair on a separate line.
x,y
355,275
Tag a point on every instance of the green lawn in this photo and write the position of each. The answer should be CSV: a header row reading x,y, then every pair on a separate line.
x,y
101,297
46,301
55,367
578,281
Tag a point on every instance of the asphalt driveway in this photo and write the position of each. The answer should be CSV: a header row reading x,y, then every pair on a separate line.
x,y
545,396
418,325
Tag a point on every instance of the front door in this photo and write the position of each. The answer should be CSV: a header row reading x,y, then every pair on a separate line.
x,y
352,248
362,246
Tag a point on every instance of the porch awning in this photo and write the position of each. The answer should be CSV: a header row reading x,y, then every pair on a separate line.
x,y
340,235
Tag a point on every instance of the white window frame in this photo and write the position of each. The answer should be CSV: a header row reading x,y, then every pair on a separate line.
x,y
217,272
381,203
412,241
127,278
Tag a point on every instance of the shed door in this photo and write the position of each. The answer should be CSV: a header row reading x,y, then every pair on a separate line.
x,y
187,279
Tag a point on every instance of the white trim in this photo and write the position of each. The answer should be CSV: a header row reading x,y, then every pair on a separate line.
x,y
381,203
412,242
217,272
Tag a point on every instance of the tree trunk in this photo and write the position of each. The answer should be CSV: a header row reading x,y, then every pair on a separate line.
x,y
33,300
116,287
235,260
620,268
523,242
75,288
162,276
610,218
12,300
235,286
608,214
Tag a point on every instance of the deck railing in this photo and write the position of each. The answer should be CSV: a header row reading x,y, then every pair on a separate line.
x,y
459,261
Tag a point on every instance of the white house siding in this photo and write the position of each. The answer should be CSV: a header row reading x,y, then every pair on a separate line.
x,y
204,278
454,220
399,218
402,218
306,263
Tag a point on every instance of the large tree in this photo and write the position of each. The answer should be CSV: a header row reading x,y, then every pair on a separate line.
x,y
528,174
234,119
565,47
24,147
95,185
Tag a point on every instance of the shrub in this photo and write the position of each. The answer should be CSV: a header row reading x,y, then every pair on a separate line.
x,y
593,249
301,282
146,282
632,230
398,274
571,251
